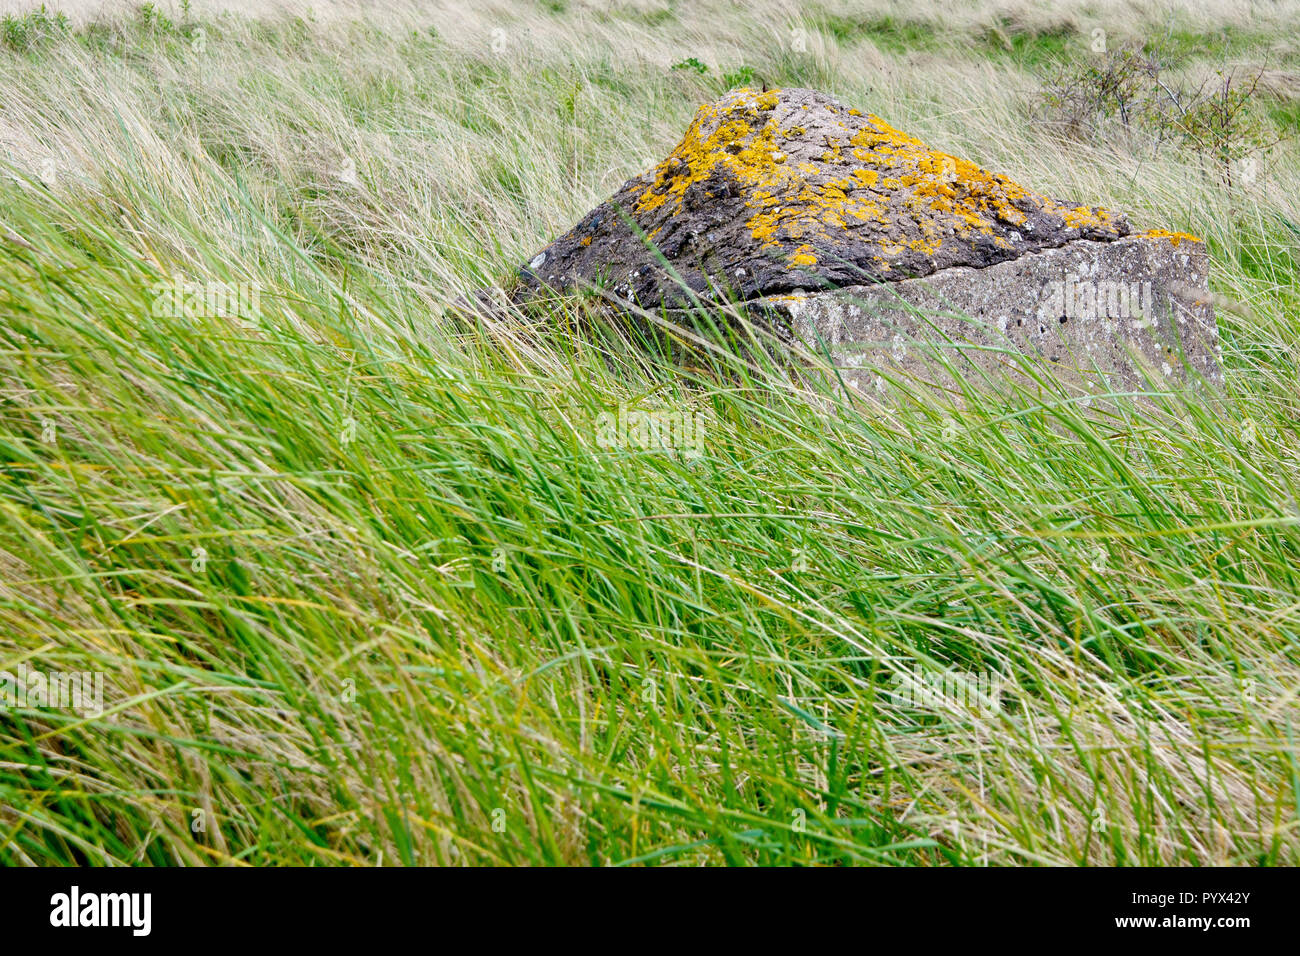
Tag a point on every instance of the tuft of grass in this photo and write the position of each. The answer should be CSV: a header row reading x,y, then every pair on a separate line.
x,y
24,32
370,585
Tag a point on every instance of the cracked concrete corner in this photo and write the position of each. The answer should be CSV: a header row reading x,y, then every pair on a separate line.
x,y
1115,316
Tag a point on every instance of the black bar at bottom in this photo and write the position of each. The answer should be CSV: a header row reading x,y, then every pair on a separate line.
x,y
333,906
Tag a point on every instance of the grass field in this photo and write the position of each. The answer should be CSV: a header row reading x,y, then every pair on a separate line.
x,y
365,586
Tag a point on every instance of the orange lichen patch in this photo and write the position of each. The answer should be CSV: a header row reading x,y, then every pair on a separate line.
x,y
803,256
818,208
586,240
752,158
1174,237
867,177
1079,217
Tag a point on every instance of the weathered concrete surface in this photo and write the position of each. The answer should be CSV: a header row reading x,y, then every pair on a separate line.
x,y
772,198
1106,315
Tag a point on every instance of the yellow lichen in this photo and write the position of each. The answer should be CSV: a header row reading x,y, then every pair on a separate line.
x,y
935,197
803,256
1081,216
749,157
1174,237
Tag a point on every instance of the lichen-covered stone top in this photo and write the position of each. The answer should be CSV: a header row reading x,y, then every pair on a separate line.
x,y
784,190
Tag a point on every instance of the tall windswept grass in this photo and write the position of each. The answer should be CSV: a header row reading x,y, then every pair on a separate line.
x,y
366,585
